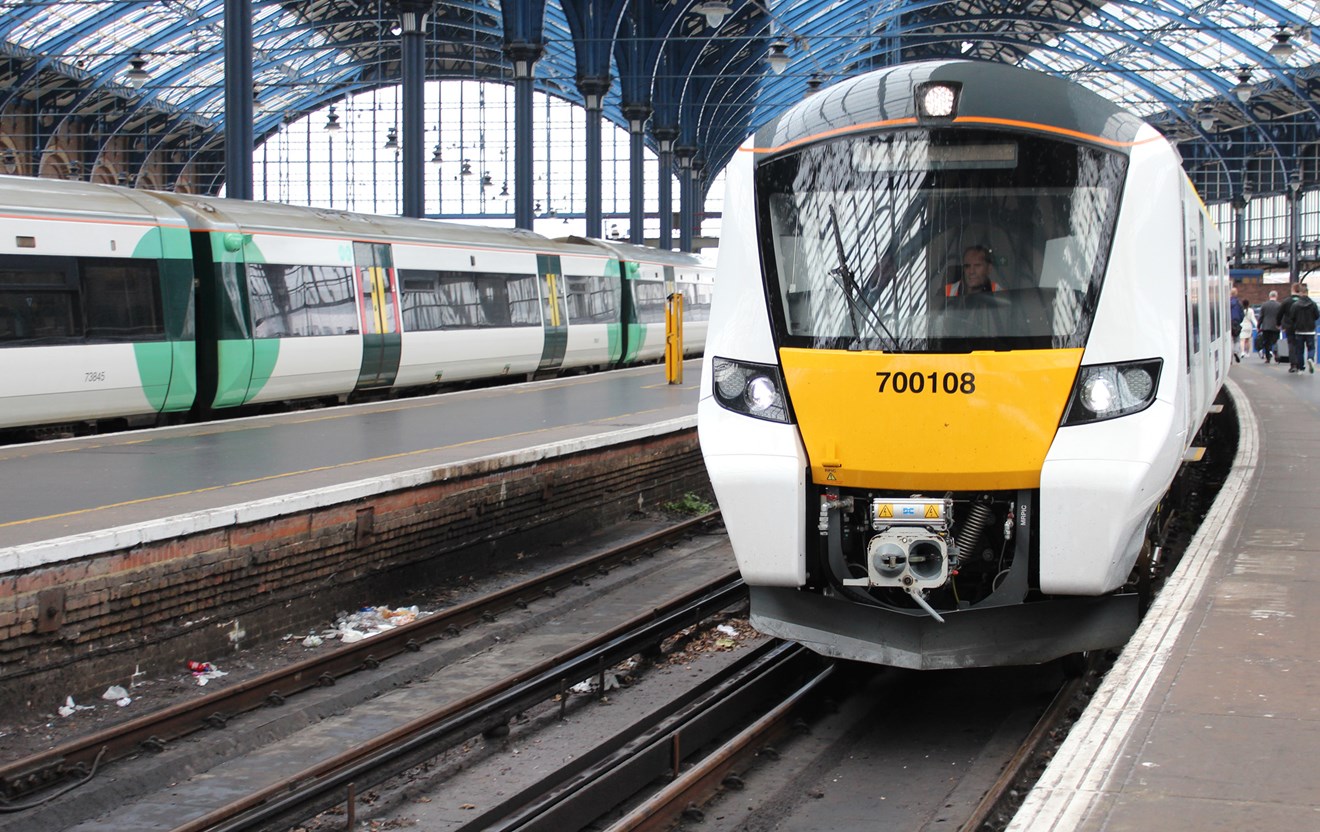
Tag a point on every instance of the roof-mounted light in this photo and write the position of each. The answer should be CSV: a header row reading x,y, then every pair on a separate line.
x,y
1243,89
777,56
1282,49
714,10
137,74
938,100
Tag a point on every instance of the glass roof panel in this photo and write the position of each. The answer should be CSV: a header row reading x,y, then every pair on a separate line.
x,y
1209,39
36,29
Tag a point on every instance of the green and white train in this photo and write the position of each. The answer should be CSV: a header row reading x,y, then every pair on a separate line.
x,y
120,304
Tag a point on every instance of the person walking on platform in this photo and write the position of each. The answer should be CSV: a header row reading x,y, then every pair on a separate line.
x,y
1270,311
1299,320
1250,330
1236,315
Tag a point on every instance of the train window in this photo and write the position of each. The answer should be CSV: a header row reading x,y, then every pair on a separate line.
x,y
524,301
421,300
464,300
289,301
64,299
122,299
696,301
491,301
649,297
463,304
592,298
875,256
38,299
1193,229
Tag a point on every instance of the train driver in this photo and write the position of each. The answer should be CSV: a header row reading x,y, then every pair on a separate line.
x,y
976,268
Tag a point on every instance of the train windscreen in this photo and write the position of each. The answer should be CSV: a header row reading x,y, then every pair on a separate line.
x,y
937,241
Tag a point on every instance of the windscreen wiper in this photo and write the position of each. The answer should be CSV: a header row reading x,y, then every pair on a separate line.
x,y
844,275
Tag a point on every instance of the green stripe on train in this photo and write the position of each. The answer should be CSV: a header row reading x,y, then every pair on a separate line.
x,y
615,333
167,371
244,368
265,352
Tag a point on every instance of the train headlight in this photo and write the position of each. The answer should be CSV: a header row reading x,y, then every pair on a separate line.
x,y
755,390
937,100
1106,391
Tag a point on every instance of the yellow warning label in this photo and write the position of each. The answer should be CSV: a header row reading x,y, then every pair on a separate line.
x,y
884,510
933,511
829,475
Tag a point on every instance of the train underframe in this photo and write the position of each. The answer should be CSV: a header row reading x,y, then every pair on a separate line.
x,y
934,581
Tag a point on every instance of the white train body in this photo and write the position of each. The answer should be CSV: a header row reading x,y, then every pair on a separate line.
x,y
117,303
918,474
114,234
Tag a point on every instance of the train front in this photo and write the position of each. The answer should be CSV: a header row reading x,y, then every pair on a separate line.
x,y
910,270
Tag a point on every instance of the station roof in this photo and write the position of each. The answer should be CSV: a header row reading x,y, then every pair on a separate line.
x,y
1234,82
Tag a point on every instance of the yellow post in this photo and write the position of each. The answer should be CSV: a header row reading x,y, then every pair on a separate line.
x,y
674,339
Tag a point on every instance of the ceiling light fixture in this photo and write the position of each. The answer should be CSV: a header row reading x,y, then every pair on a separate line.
x,y
714,10
1243,89
392,139
1282,49
777,56
137,74
332,121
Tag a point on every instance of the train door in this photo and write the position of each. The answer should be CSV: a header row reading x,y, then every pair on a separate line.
x,y
554,313
1195,297
1218,302
381,340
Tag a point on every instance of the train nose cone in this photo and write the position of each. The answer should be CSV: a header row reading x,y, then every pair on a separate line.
x,y
980,421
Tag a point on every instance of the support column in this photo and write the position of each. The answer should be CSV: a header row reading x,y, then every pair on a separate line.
x,y
637,115
1294,224
524,57
1239,204
412,19
238,99
593,91
665,196
686,196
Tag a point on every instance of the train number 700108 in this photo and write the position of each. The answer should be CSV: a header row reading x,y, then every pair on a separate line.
x,y
932,382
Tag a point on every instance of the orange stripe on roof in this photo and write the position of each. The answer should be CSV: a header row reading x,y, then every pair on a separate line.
x,y
899,122
1048,128
838,131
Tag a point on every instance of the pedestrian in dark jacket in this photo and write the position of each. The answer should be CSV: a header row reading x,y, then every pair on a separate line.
x,y
1270,311
1299,320
1236,313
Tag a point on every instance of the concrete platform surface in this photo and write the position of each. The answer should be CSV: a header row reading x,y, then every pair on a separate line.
x,y
1210,720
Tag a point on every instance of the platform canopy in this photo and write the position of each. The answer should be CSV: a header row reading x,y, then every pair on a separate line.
x,y
1234,82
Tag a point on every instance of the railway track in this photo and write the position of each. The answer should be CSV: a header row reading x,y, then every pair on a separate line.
x,y
31,781
319,785
660,769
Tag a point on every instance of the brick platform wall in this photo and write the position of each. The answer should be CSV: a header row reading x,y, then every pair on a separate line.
x,y
80,626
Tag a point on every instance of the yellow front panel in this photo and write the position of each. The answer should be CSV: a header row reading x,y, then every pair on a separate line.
x,y
928,422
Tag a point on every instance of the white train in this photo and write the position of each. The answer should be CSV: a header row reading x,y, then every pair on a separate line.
x,y
921,464
118,304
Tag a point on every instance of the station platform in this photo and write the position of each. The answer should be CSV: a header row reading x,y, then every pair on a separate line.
x,y
172,543
77,497
1210,719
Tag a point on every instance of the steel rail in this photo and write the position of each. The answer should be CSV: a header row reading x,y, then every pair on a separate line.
x,y
153,731
655,747
698,784
1016,768
320,785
